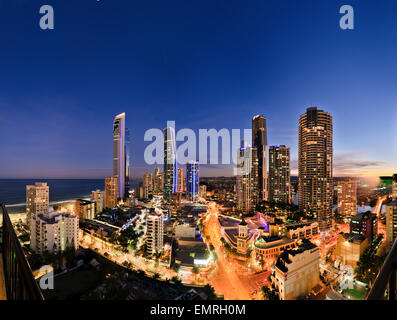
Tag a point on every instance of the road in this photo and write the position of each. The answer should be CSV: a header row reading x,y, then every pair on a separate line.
x,y
224,278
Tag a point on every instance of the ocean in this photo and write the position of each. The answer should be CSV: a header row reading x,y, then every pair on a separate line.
x,y
13,191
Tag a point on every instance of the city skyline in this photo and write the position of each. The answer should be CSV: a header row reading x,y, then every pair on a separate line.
x,y
277,73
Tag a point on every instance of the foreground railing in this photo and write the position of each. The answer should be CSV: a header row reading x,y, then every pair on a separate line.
x,y
19,281
386,279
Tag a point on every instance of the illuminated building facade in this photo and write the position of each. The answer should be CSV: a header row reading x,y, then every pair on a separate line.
x,y
391,224
170,163
37,199
259,142
158,181
121,155
181,183
242,237
279,174
147,184
155,231
111,192
192,180
315,165
247,179
394,187
365,225
98,197
347,197
297,271
54,231
350,247
84,209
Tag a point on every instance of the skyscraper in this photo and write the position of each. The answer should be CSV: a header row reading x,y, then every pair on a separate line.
x,y
170,163
180,180
315,165
127,163
155,231
394,187
259,141
147,184
192,180
158,181
247,179
391,224
121,155
37,199
119,152
347,197
279,174
99,197
111,192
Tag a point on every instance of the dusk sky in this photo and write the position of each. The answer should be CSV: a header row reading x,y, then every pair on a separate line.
x,y
204,64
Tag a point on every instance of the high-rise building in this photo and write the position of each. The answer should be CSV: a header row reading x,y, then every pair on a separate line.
x,y
347,197
394,187
121,155
297,271
127,163
203,191
246,179
279,174
391,224
155,231
192,180
259,141
37,199
180,181
170,163
54,231
158,181
147,184
364,224
84,209
111,192
315,165
98,197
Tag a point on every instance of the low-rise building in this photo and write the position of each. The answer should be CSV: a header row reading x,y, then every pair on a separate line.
x,y
305,230
297,271
268,248
349,248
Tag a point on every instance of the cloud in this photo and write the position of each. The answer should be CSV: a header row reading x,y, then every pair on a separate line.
x,y
351,163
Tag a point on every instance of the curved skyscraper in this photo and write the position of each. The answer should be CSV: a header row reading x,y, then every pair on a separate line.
x,y
315,165
121,166
170,163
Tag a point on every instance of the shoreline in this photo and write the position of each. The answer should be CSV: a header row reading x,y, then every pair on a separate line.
x,y
18,211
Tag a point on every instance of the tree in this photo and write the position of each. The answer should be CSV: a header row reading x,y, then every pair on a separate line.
x,y
269,294
196,271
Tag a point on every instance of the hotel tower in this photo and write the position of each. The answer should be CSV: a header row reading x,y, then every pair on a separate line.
x,y
259,142
315,165
170,163
121,156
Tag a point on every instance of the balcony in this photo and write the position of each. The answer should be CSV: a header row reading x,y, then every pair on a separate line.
x,y
16,278
384,287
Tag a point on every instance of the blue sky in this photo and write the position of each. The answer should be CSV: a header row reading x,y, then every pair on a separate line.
x,y
204,64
